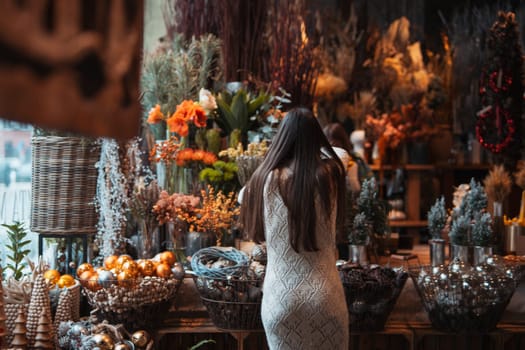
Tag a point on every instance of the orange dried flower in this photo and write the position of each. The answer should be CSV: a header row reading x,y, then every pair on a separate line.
x,y
185,155
155,115
178,125
199,117
209,158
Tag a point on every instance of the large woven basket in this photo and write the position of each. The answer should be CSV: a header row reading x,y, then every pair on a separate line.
x,y
64,182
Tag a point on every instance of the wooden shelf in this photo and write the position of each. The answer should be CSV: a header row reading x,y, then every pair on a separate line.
x,y
408,223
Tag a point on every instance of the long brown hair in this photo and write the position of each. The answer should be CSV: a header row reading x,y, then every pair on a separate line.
x,y
337,136
299,145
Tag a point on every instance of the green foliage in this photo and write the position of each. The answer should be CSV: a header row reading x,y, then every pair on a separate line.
x,y
374,208
239,111
437,218
482,230
222,176
475,200
17,248
361,230
177,72
459,231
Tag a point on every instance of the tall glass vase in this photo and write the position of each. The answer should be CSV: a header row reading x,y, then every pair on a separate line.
x,y
148,241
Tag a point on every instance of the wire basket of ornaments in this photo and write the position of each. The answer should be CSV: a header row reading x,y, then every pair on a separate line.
x,y
135,293
460,297
230,283
86,335
371,293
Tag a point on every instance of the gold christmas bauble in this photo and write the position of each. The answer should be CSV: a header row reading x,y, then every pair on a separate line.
x,y
140,338
147,267
83,268
130,267
122,346
167,257
125,279
51,276
92,282
110,262
103,341
122,259
85,276
163,270
65,281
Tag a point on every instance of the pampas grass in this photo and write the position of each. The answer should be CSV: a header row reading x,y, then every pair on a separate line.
x,y
498,183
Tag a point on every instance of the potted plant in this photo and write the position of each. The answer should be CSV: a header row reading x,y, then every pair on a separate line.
x,y
481,237
370,210
358,239
437,219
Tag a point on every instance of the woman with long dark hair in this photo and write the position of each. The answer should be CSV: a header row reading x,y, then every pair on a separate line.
x,y
295,203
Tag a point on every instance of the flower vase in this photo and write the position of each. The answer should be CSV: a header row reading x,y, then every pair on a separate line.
x,y
357,254
437,251
176,242
198,240
148,241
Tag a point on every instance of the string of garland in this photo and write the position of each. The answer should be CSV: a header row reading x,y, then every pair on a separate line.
x,y
501,88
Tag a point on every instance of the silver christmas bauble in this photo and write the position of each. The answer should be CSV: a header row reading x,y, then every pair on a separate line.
x,y
106,278
178,271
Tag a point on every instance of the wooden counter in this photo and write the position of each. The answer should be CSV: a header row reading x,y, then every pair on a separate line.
x,y
408,326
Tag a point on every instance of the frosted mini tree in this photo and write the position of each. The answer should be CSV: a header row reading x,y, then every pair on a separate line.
x,y
437,218
482,230
459,231
373,207
361,230
475,200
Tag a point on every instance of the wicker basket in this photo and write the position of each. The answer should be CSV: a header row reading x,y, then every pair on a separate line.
x,y
371,294
63,186
232,304
142,304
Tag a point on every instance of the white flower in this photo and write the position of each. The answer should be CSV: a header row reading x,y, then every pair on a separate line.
x,y
207,100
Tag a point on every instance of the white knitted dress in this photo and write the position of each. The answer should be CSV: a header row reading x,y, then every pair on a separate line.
x,y
303,304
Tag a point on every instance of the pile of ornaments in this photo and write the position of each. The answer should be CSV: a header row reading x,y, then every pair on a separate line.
x,y
371,292
130,291
84,335
245,286
234,302
461,297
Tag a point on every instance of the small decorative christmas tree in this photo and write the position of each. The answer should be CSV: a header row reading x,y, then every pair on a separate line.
x,y
482,230
437,218
20,331
39,303
361,230
475,200
64,308
44,333
459,232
